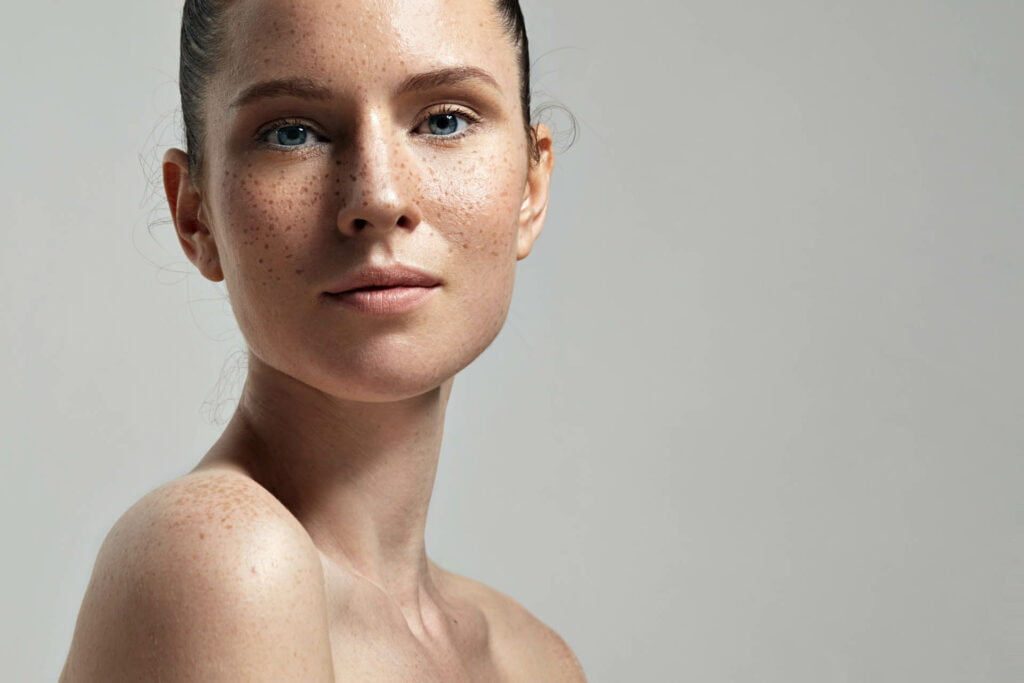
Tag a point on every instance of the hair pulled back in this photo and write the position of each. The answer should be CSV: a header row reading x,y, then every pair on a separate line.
x,y
202,29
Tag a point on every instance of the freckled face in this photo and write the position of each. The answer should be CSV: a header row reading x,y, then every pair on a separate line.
x,y
344,167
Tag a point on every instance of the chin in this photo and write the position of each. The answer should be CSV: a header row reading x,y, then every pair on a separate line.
x,y
380,373
381,385
411,359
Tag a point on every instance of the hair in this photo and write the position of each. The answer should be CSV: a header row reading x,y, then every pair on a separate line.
x,y
202,33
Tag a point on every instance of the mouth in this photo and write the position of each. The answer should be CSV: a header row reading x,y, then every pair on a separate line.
x,y
376,278
368,288
382,290
382,300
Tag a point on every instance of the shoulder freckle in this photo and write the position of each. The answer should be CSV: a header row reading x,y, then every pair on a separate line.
x,y
207,506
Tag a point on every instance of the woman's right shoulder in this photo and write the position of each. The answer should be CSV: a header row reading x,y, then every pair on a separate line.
x,y
205,521
207,577
218,505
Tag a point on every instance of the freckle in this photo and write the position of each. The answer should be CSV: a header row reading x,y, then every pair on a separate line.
x,y
299,271
202,535
254,571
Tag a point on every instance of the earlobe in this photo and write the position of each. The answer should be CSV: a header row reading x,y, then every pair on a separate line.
x,y
189,216
535,195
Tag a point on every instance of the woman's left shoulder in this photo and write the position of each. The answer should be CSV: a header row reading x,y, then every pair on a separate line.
x,y
526,647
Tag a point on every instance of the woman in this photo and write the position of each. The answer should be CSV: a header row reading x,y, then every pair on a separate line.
x,y
364,177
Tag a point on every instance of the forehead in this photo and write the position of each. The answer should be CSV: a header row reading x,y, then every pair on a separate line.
x,y
362,44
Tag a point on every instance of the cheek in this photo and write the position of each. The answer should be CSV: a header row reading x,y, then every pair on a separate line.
x,y
473,200
474,204
265,221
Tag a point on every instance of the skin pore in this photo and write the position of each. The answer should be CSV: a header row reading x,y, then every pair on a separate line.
x,y
341,135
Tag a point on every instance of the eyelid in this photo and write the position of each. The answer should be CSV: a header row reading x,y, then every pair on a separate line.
x,y
451,108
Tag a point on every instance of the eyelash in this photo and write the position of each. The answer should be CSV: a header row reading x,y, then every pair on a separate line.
x,y
261,135
472,120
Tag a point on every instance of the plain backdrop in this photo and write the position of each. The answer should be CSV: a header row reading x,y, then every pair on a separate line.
x,y
757,413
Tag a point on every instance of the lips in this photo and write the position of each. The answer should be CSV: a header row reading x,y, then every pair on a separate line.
x,y
380,277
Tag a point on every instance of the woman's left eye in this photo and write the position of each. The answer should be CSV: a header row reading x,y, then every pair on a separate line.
x,y
445,124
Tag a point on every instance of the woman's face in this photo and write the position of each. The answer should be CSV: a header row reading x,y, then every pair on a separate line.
x,y
347,134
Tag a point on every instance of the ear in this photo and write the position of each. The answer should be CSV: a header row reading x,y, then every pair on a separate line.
x,y
189,216
535,196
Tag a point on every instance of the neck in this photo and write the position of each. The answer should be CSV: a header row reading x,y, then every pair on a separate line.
x,y
358,476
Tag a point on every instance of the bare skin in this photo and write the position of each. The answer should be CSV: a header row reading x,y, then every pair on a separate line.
x,y
324,475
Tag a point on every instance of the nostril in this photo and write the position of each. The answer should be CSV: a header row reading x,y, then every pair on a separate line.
x,y
379,216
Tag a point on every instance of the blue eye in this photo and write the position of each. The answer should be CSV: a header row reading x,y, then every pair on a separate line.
x,y
291,136
445,124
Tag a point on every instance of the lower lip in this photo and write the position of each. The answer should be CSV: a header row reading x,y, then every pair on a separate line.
x,y
384,301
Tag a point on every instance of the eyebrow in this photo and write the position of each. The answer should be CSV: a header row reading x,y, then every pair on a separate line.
x,y
308,89
303,88
449,76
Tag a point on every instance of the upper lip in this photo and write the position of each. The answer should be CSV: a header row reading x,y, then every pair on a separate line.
x,y
392,275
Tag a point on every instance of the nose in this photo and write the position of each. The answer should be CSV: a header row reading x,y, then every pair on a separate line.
x,y
381,189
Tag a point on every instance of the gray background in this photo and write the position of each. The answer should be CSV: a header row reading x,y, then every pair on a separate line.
x,y
756,414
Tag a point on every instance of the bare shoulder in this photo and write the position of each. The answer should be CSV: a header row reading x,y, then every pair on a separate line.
x,y
207,577
527,648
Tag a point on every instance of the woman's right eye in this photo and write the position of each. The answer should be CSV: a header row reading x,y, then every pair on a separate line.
x,y
289,136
